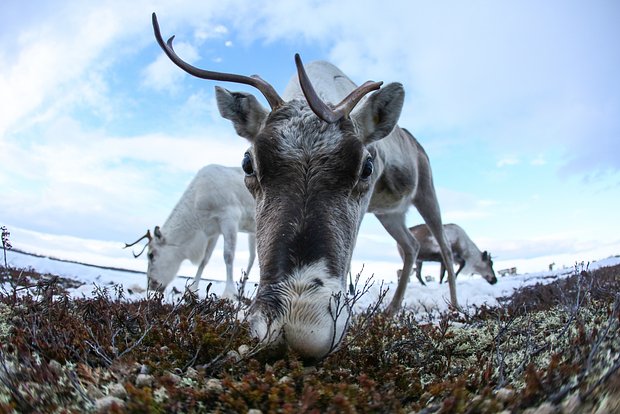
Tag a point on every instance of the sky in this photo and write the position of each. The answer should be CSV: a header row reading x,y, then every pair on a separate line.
x,y
516,103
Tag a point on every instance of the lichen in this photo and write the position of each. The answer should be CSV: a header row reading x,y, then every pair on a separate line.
x,y
545,346
5,322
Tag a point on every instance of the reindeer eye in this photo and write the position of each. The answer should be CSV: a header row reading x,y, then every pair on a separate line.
x,y
151,256
246,165
367,169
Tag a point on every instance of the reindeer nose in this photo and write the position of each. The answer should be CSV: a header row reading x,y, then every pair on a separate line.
x,y
155,286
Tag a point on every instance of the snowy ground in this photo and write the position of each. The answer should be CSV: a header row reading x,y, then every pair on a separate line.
x,y
471,290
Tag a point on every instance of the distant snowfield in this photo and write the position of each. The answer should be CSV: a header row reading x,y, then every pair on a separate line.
x,y
472,291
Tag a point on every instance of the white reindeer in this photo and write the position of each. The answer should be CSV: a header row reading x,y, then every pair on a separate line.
x,y
464,252
215,203
314,169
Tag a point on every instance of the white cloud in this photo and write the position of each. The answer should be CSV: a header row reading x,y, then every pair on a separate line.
x,y
71,174
550,245
519,75
538,160
508,161
163,75
205,33
51,55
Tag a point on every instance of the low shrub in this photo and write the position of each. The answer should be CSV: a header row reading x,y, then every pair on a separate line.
x,y
554,345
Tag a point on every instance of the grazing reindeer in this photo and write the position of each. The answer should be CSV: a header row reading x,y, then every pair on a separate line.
x,y
215,203
464,252
315,169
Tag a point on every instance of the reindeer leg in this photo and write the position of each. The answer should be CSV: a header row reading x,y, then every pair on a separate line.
x,y
461,266
426,203
418,271
442,272
211,242
459,261
229,230
394,223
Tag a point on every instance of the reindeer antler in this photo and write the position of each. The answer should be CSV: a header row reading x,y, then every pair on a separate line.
x,y
320,108
256,81
146,236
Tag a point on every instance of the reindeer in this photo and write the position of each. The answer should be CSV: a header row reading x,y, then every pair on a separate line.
x,y
215,203
464,252
319,160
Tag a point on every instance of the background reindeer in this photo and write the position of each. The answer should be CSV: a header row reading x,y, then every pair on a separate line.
x,y
215,203
464,252
314,170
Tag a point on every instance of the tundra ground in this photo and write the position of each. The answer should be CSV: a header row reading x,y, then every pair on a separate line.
x,y
551,348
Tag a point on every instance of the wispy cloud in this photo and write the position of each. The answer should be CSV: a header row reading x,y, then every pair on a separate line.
x,y
216,32
538,160
162,75
504,162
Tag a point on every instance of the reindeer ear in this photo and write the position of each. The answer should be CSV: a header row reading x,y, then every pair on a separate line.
x,y
157,233
243,109
378,115
485,256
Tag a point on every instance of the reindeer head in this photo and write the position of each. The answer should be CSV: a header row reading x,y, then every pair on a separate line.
x,y
485,268
163,260
311,169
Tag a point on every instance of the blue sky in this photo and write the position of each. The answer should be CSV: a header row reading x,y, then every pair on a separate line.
x,y
516,103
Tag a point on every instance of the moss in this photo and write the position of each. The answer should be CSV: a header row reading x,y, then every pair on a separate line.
x,y
545,345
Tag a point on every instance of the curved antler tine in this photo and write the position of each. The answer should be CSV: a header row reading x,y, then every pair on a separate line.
x,y
345,107
141,251
320,108
256,81
146,236
267,90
